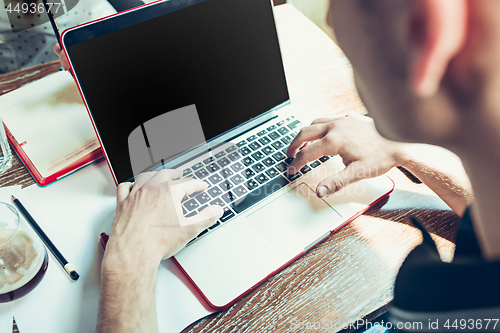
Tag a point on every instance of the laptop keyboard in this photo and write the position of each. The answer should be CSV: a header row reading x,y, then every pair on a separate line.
x,y
243,174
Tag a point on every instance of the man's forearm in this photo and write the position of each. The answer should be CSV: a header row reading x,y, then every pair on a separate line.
x,y
127,301
442,171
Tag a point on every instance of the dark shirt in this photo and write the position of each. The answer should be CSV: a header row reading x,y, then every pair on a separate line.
x,y
427,284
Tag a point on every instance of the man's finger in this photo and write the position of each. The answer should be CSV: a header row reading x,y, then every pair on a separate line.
x,y
185,188
206,217
310,153
57,48
307,134
352,173
123,191
156,179
140,180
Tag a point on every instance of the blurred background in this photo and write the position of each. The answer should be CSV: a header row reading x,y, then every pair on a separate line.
x,y
315,10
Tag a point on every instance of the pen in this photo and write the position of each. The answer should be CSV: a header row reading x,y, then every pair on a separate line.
x,y
64,263
52,21
54,26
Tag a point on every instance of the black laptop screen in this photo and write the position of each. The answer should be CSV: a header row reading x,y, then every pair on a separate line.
x,y
222,56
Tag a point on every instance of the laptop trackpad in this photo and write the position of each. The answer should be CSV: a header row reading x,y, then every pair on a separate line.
x,y
294,219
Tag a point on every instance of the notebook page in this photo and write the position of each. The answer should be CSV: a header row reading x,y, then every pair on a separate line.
x,y
50,122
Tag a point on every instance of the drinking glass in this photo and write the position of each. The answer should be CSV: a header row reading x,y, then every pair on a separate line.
x,y
23,257
5,153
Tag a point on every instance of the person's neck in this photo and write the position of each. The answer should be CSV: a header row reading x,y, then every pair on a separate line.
x,y
480,155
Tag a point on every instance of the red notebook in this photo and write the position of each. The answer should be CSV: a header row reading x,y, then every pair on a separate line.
x,y
49,128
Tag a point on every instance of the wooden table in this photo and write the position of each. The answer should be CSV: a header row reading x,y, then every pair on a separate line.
x,y
350,275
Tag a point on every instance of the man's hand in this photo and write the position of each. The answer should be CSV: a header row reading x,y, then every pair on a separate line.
x,y
62,57
364,152
149,226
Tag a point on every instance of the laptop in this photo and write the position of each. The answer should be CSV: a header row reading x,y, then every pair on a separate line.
x,y
199,85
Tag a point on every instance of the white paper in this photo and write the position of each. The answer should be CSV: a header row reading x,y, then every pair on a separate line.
x,y
73,212
5,318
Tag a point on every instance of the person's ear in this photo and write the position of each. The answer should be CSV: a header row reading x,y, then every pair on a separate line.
x,y
437,30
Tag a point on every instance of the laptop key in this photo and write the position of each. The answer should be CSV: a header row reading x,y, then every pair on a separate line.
x,y
203,198
208,160
258,167
280,123
268,161
271,128
261,133
186,172
251,138
274,135
191,242
262,178
251,184
293,177
260,193
215,179
191,204
213,167
247,161
224,162
201,173
197,166
282,167
324,159
240,190
277,145
289,160
294,124
226,185
258,155
238,179
286,140
241,143
193,213
293,134
228,197
237,167
218,201
231,149
268,150
279,156
254,145
203,233
245,151
264,140
234,156
315,164
249,173
305,169
225,173
228,214
283,130
213,226
220,154
214,192
272,172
